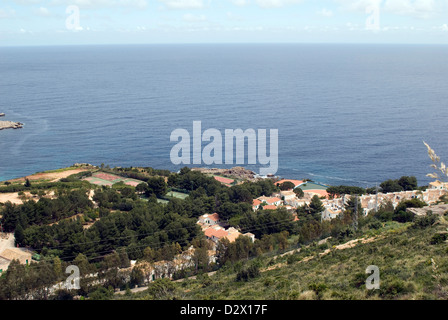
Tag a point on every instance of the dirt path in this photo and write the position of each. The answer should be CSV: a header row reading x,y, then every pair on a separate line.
x,y
347,245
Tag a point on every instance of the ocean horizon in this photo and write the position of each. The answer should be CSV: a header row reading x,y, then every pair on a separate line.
x,y
346,114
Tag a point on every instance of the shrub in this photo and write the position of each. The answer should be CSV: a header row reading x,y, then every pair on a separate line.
x,y
425,221
375,225
439,238
245,274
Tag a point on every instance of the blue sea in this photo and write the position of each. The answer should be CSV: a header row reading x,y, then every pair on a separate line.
x,y
345,114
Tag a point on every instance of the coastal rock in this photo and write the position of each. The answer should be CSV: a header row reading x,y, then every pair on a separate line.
x,y
10,125
237,172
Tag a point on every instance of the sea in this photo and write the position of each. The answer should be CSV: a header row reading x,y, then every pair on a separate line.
x,y
346,114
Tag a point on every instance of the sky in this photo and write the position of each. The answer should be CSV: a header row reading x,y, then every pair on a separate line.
x,y
72,22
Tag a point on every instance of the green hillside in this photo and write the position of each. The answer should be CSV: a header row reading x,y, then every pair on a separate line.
x,y
412,259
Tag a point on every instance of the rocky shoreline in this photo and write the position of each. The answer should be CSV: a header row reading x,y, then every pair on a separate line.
x,y
9,124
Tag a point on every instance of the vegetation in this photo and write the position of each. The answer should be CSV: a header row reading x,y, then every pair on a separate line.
x,y
412,266
103,235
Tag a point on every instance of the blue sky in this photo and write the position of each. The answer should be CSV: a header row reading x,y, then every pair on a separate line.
x,y
60,22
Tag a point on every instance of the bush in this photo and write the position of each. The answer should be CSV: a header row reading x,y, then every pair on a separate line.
x,y
439,238
395,288
253,271
425,221
318,288
375,225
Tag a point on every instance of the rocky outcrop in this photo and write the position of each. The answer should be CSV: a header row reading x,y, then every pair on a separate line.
x,y
10,125
235,172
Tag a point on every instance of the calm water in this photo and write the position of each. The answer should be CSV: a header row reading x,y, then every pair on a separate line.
x,y
346,114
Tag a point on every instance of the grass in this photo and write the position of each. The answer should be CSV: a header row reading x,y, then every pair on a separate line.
x,y
410,268
60,170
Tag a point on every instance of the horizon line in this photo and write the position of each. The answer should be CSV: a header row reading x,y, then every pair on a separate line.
x,y
225,43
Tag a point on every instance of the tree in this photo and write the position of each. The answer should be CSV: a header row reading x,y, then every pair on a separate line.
x,y
101,293
82,263
287,185
316,207
57,267
408,183
137,277
401,213
162,289
141,187
157,186
201,259
299,193
391,186
334,191
27,183
19,235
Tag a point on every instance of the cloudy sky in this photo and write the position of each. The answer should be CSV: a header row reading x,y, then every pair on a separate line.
x,y
60,22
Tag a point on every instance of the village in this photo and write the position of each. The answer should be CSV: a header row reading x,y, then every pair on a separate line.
x,y
216,229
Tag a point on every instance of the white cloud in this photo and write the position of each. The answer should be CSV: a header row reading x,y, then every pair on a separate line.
x,y
233,17
183,4
276,3
7,13
43,12
415,8
188,17
423,9
325,12
26,2
97,4
357,5
240,3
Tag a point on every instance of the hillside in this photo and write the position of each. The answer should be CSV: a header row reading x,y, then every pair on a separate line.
x,y
412,259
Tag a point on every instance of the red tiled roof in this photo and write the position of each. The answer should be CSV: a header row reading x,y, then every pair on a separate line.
x,y
270,207
273,200
256,202
214,216
217,233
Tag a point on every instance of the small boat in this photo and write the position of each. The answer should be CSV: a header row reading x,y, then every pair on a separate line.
x,y
2,114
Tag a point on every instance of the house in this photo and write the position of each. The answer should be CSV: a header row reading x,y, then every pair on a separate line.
x,y
270,200
288,195
209,219
256,204
215,233
438,185
330,213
